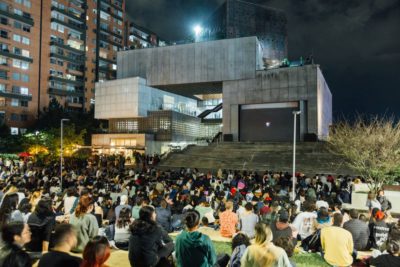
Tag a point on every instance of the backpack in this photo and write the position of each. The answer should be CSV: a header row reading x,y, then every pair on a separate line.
x,y
313,242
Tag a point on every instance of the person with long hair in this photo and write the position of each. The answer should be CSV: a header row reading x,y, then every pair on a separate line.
x,y
96,252
263,253
15,235
41,222
193,248
149,244
9,209
239,244
121,229
85,222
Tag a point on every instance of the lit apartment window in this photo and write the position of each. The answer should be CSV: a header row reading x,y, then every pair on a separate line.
x,y
3,60
24,91
104,15
17,38
25,53
26,40
20,64
18,12
14,102
18,1
2,87
27,3
13,130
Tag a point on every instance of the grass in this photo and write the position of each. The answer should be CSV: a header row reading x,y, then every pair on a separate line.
x,y
300,259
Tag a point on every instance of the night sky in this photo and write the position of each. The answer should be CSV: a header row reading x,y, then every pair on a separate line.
x,y
356,43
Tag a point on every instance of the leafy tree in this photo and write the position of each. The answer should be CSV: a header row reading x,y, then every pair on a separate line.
x,y
371,148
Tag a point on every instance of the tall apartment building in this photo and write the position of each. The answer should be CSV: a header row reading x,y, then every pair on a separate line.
x,y
55,49
138,37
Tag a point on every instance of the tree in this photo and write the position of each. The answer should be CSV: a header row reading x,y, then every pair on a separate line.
x,y
371,148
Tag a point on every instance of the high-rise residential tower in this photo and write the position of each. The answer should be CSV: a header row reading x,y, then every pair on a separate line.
x,y
55,49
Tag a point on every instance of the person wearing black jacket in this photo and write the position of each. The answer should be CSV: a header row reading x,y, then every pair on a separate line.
x,y
15,235
149,244
42,223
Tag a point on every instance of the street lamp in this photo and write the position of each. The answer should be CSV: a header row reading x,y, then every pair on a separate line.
x,y
61,151
295,113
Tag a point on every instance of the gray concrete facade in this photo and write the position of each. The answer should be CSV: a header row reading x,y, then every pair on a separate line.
x,y
235,66
304,84
202,62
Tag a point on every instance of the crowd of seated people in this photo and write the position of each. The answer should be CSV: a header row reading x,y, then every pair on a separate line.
x,y
100,209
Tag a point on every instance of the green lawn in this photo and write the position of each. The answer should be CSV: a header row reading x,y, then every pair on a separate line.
x,y
301,260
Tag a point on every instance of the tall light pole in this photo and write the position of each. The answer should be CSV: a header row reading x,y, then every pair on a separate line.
x,y
61,151
295,113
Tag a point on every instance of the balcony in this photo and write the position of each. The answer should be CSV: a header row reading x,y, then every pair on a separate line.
x,y
70,24
62,92
10,14
7,53
65,80
68,58
67,47
69,14
105,39
17,95
112,14
73,105
107,31
112,4
108,60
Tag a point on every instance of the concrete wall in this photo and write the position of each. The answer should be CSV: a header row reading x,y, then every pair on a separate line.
x,y
213,61
279,85
130,98
324,107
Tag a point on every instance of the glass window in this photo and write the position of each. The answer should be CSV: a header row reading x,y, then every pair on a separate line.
x,y
25,53
16,63
27,3
25,78
16,76
26,40
14,102
2,87
18,1
17,38
24,65
26,28
3,20
3,61
18,12
23,103
13,130
24,91
17,50
17,24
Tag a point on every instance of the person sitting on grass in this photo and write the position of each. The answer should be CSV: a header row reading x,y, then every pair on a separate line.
x,y
263,253
337,243
239,244
192,247
228,220
392,258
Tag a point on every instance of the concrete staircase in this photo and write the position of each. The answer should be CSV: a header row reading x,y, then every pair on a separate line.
x,y
311,157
